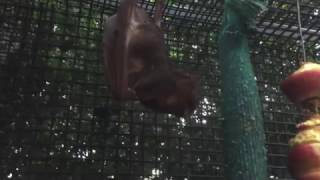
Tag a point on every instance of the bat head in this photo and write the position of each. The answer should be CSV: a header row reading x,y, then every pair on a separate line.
x,y
186,95
175,94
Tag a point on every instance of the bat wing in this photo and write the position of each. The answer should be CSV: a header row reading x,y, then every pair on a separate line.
x,y
116,45
114,68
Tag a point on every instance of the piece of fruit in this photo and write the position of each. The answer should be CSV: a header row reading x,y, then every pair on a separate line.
x,y
304,155
303,84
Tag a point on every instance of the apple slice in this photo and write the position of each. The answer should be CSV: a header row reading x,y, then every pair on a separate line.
x,y
303,84
304,161
304,155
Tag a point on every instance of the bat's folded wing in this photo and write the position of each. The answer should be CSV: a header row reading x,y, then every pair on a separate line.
x,y
115,58
116,49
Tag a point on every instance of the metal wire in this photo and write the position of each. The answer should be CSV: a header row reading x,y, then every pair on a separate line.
x,y
301,33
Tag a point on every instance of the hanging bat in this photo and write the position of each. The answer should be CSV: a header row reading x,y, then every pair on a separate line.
x,y
137,63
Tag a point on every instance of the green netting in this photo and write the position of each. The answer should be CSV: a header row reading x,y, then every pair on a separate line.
x,y
244,135
56,118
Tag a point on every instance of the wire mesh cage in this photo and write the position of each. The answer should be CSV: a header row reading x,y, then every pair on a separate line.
x,y
58,119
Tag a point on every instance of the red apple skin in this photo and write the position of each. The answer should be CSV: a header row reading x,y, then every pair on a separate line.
x,y
304,161
302,85
312,176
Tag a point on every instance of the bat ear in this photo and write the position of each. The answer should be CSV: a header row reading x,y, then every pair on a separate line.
x,y
160,5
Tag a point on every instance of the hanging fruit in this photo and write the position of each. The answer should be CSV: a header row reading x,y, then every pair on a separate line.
x,y
304,155
303,86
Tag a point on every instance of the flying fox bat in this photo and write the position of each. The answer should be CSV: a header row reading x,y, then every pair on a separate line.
x,y
137,63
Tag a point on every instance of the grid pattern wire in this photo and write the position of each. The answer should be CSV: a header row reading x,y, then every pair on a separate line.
x,y
57,118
